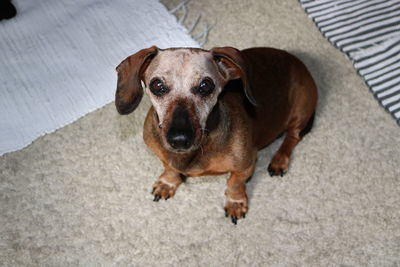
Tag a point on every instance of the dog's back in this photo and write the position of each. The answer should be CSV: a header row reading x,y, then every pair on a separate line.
x,y
285,93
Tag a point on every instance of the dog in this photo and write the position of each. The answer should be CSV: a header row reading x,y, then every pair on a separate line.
x,y
213,110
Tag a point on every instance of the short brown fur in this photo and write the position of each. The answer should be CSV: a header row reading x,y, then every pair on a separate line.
x,y
285,98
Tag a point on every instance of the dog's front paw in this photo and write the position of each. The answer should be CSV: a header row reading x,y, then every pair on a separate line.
x,y
279,165
163,190
236,209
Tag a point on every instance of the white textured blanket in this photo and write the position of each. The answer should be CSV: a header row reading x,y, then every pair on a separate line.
x,y
58,59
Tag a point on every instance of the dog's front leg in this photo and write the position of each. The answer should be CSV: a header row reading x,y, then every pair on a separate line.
x,y
236,197
165,187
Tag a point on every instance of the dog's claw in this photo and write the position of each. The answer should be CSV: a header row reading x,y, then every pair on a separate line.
x,y
163,190
236,209
234,220
272,172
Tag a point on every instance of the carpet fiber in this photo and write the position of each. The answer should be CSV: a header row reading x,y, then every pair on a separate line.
x,y
81,196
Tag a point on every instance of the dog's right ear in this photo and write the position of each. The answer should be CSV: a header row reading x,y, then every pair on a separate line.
x,y
130,71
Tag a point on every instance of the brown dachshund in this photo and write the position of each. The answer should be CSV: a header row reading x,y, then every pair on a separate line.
x,y
212,111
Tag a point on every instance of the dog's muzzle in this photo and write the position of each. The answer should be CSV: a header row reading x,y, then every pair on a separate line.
x,y
181,134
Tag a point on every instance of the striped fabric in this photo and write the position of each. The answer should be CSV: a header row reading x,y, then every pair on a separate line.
x,y
368,32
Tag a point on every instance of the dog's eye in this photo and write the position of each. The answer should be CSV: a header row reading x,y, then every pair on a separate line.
x,y
205,87
158,88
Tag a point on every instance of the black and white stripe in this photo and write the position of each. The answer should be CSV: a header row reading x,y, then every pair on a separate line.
x,y
368,32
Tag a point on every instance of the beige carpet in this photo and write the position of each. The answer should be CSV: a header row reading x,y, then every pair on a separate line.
x,y
81,196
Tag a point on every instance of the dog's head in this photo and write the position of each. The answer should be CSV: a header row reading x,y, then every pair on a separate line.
x,y
183,85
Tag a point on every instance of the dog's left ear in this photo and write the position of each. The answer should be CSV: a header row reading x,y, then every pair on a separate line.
x,y
130,71
232,66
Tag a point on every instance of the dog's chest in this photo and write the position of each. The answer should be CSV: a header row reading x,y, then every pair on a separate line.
x,y
201,163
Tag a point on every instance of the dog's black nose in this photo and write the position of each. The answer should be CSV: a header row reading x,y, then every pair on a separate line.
x,y
180,134
180,140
